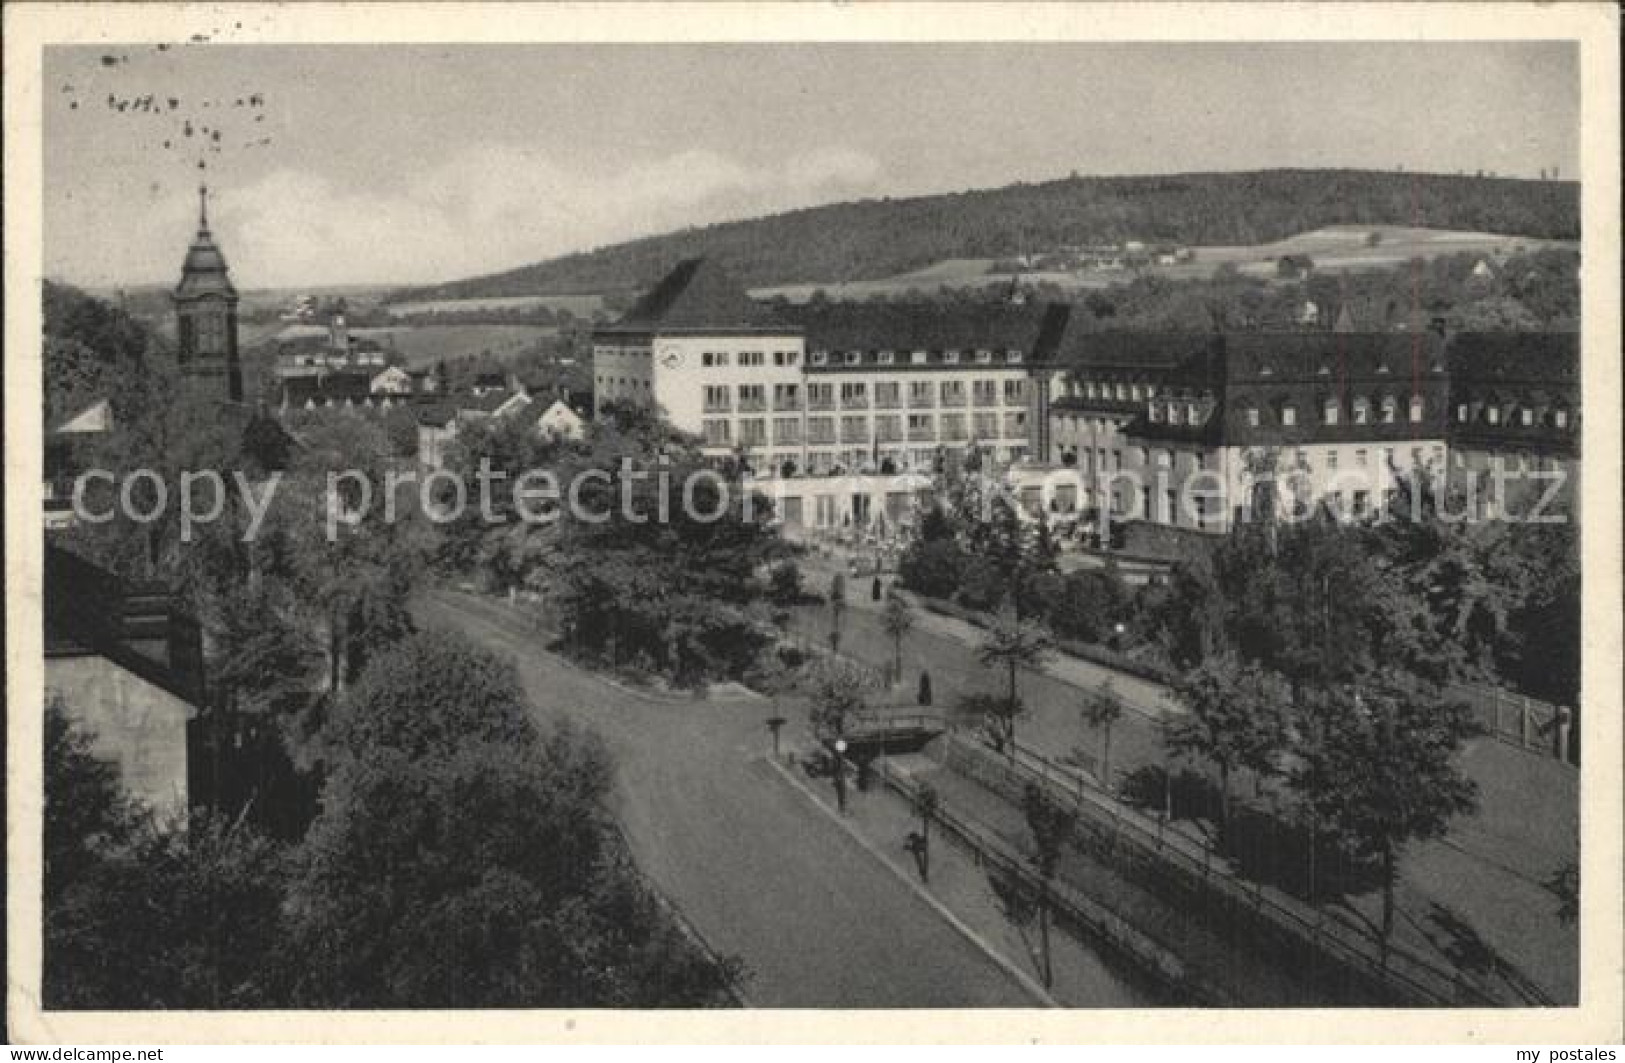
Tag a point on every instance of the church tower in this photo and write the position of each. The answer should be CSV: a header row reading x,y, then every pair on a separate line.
x,y
206,313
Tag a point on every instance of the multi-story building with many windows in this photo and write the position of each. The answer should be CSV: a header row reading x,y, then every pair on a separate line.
x,y
826,389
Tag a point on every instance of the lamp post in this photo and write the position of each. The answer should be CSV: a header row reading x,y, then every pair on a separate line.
x,y
840,775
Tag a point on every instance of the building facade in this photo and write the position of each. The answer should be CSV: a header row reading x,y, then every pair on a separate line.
x,y
824,390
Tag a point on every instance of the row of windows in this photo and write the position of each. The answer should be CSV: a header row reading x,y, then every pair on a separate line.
x,y
856,428
748,359
982,357
1119,391
1331,412
1526,416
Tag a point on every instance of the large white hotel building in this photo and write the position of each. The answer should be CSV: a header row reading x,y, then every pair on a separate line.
x,y
822,389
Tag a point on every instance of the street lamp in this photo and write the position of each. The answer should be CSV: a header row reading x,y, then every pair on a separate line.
x,y
840,775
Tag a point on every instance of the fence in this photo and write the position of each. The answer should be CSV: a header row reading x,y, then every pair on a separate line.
x,y
1187,873
1156,959
1527,723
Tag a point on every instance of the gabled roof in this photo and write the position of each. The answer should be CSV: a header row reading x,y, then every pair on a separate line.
x,y
697,296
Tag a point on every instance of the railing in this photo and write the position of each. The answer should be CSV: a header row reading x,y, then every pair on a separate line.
x,y
922,402
1134,842
987,399
893,403
787,404
820,404
752,405
921,435
718,407
953,399
855,402
1157,958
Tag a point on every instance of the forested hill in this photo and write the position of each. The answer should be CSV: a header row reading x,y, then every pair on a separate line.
x,y
878,238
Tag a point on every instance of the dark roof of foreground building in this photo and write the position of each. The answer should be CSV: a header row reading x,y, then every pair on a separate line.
x,y
697,296
139,627
1547,358
904,328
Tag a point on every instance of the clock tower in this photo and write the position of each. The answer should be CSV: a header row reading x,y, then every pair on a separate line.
x,y
206,314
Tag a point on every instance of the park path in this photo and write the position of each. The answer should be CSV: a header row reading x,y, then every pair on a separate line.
x,y
1485,880
760,873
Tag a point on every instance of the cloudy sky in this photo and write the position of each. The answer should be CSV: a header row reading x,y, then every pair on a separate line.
x,y
395,164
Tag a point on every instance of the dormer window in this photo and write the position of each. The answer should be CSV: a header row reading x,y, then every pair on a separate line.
x,y
1463,413
1134,393
885,357
1560,418
1492,414
1416,409
1266,370
1324,370
1390,409
1191,416
1382,367
1012,357
1526,416
820,358
1362,411
1289,415
1173,412
1252,417
950,357
1122,392
984,357
1155,413
854,357
1329,412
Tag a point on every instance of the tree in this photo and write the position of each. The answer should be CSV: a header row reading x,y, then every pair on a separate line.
x,y
1051,825
837,609
1235,717
837,690
1011,645
1382,771
138,914
463,857
926,805
897,619
784,583
1101,709
636,571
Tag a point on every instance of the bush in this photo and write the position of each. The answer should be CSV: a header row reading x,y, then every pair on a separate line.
x,y
933,567
784,584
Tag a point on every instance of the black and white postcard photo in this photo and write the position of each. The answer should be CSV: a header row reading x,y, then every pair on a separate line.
x,y
815,523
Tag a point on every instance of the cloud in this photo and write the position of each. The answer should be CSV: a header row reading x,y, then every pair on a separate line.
x,y
492,207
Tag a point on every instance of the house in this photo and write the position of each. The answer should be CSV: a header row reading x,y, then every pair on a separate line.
x,y
439,420
61,441
394,381
562,422
126,665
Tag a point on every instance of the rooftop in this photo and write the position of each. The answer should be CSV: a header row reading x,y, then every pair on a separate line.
x,y
697,296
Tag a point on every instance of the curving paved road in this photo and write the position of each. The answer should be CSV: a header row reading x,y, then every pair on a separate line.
x,y
763,875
